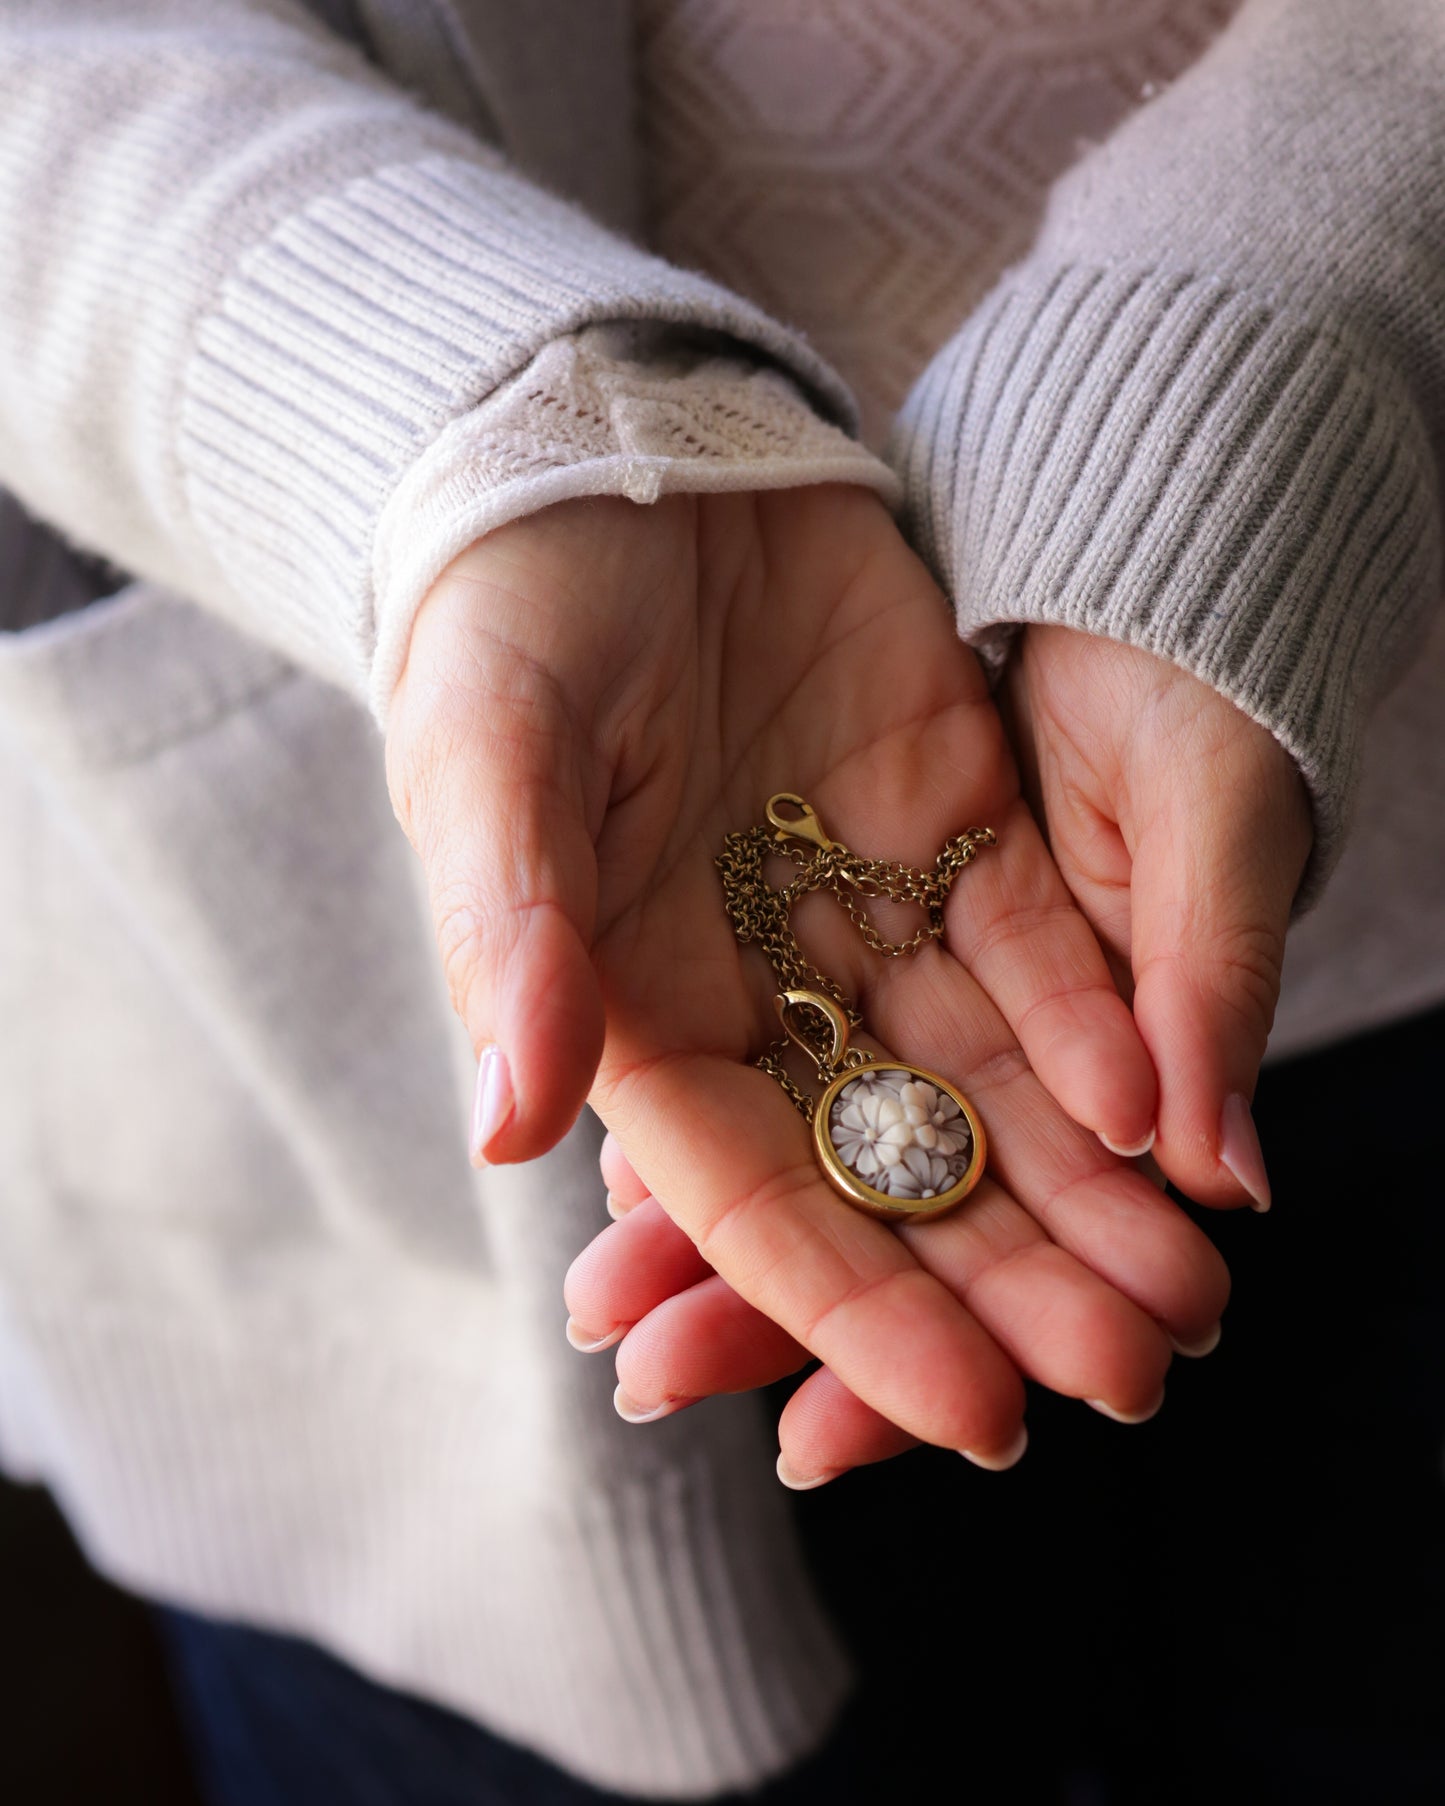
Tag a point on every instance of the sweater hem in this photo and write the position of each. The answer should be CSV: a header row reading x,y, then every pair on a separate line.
x,y
369,1524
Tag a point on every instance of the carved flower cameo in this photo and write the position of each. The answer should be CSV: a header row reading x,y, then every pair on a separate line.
x,y
900,1134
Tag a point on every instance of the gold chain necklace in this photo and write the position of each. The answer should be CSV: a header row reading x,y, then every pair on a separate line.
x,y
896,1140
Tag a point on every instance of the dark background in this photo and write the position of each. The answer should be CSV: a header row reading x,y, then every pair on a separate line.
x,y
85,1713
1243,1600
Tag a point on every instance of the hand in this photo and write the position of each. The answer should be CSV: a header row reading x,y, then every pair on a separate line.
x,y
1182,829
593,698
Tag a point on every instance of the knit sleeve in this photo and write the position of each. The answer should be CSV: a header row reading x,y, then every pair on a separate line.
x,y
1206,414
247,284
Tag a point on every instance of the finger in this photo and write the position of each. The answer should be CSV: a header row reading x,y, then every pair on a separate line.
x,y
1013,922
701,1342
486,782
625,1272
1062,793
825,1430
721,1140
624,1188
1212,893
1101,1210
1065,1326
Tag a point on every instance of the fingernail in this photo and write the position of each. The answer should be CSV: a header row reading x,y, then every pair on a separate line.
x,y
616,1209
587,1341
630,1411
801,1482
1196,1351
493,1102
1009,1457
1139,1149
1240,1151
1108,1410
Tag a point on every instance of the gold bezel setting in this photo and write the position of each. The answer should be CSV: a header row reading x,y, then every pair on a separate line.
x,y
883,1204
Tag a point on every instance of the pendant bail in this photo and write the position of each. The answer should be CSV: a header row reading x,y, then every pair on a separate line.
x,y
838,1025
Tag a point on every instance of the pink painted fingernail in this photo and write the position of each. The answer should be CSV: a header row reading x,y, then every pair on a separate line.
x,y
1005,1459
1240,1151
801,1482
1136,1152
493,1101
590,1341
1107,1410
630,1411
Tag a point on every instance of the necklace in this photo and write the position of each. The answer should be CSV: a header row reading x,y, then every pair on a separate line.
x,y
896,1140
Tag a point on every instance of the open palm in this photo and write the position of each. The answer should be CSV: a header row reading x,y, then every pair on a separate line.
x,y
594,697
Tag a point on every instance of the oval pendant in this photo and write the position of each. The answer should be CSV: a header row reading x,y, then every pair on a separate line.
x,y
898,1141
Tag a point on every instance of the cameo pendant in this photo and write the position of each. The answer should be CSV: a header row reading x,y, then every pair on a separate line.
x,y
896,1140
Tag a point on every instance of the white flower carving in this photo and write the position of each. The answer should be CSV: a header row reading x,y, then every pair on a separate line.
x,y
900,1134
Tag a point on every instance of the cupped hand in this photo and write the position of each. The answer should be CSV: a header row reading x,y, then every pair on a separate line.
x,y
1182,829
593,698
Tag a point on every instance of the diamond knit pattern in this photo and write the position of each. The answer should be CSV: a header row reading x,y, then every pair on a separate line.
x,y
866,170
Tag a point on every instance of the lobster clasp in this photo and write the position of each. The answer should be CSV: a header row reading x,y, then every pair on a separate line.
x,y
803,826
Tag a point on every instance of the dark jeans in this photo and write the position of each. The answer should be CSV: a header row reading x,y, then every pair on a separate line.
x,y
276,1722
1242,1601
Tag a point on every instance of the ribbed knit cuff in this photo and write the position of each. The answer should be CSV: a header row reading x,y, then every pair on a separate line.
x,y
1163,461
354,334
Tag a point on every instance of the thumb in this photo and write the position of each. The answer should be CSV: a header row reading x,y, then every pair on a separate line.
x,y
1216,867
487,780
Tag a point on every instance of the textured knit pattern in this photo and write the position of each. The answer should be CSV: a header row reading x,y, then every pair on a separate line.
x,y
280,317
264,356
868,169
284,1356
1214,431
281,1353
1203,455
616,410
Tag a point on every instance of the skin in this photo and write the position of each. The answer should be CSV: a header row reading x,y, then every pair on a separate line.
x,y
593,698
1182,830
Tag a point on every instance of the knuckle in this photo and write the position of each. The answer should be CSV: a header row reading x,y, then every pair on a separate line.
x,y
460,925
999,1066
1029,924
1233,966
1245,965
419,752
761,1207
868,1291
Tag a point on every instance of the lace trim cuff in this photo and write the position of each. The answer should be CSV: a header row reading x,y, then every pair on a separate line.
x,y
633,410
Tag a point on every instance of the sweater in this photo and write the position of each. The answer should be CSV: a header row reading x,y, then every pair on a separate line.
x,y
290,301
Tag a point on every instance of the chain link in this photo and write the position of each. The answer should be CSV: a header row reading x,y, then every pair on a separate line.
x,y
759,914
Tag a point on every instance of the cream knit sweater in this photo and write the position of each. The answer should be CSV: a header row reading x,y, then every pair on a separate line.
x,y
289,307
